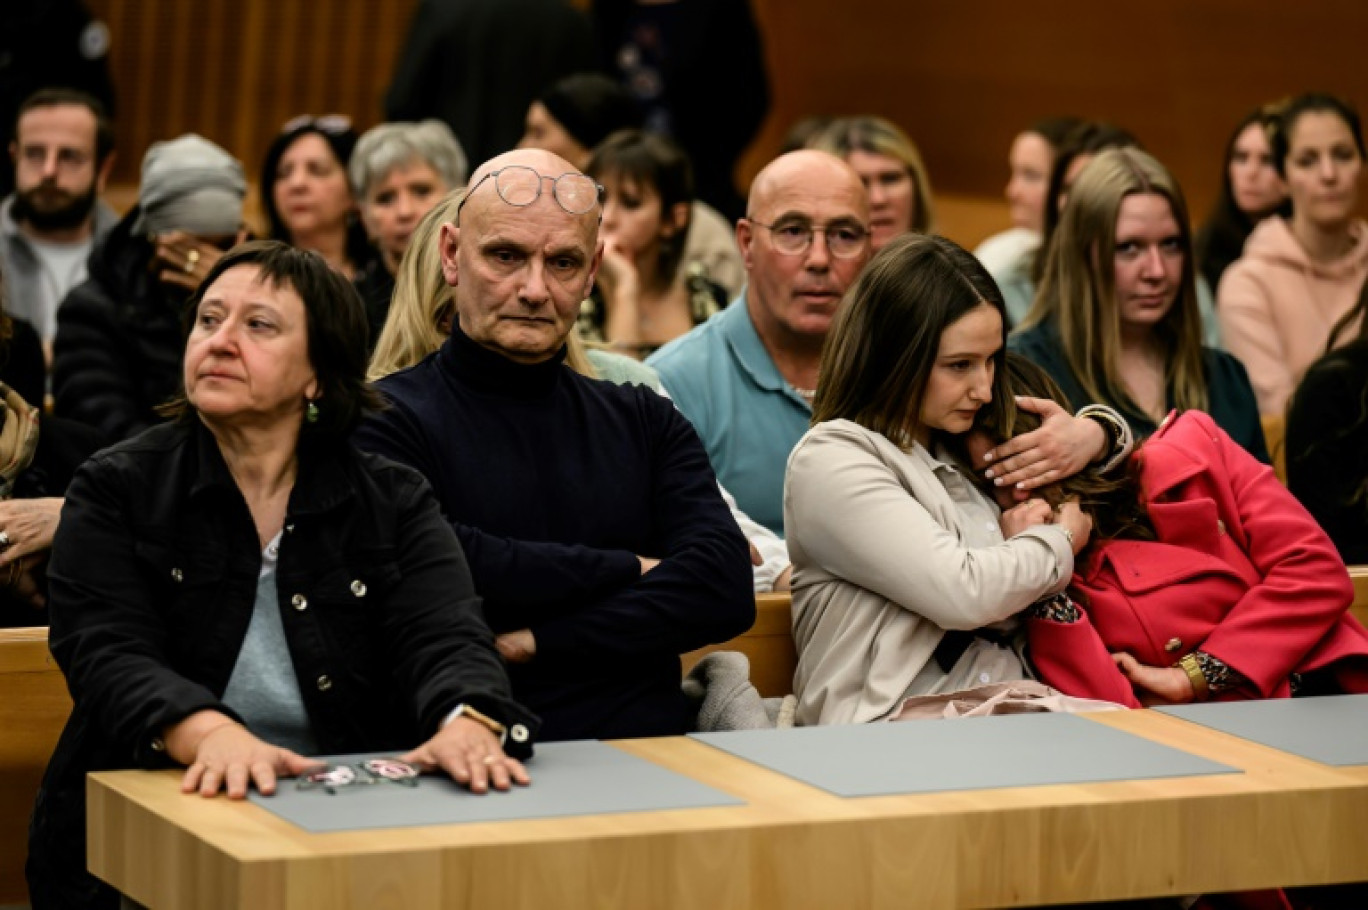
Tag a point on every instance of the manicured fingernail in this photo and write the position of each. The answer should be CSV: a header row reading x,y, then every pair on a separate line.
x,y
988,473
997,481
988,457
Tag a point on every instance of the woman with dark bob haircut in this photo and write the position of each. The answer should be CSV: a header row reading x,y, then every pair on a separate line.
x,y
240,588
906,578
647,292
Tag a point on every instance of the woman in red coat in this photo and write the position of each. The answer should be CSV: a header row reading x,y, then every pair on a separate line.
x,y
1205,579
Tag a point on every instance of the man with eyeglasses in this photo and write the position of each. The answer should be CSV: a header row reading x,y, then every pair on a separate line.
x,y
588,513
63,151
746,377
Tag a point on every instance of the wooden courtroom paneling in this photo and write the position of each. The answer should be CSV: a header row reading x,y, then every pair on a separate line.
x,y
962,78
33,709
235,70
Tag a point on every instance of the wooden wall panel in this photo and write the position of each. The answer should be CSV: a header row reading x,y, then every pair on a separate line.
x,y
962,78
235,70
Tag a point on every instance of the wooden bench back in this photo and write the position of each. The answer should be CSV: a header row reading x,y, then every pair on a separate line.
x,y
768,645
34,706
1360,608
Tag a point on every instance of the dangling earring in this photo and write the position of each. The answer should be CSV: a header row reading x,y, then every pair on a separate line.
x,y
310,412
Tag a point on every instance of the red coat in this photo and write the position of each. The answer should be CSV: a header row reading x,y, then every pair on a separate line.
x,y
1239,570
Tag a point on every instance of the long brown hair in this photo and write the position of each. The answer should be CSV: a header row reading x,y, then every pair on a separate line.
x,y
1078,287
1114,502
886,334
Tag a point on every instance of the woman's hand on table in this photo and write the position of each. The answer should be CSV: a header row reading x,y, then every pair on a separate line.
x,y
225,756
1060,447
468,751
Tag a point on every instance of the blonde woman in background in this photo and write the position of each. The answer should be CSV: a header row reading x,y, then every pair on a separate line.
x,y
1116,319
891,169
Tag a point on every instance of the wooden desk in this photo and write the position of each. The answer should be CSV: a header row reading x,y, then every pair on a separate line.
x,y
1285,821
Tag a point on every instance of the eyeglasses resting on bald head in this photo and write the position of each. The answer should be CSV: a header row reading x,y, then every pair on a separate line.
x,y
520,185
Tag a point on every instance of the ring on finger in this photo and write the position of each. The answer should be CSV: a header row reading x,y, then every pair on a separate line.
x,y
192,258
5,541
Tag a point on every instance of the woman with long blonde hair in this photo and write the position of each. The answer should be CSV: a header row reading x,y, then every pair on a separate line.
x,y
1116,319
892,171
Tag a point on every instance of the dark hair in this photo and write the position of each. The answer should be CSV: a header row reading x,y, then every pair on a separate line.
x,y
341,140
60,97
650,160
1115,503
803,131
337,330
1345,363
1311,103
591,107
1088,138
1055,130
1222,238
1357,313
887,332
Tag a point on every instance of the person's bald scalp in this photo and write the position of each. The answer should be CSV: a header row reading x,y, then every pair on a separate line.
x,y
805,167
543,162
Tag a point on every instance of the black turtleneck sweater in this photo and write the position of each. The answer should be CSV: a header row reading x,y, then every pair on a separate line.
x,y
555,484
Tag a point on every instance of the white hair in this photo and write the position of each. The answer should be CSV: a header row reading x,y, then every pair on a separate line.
x,y
388,146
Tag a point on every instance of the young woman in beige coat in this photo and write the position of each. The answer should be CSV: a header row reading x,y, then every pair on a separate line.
x,y
906,577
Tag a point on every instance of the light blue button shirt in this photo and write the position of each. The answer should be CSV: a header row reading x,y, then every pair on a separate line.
x,y
748,416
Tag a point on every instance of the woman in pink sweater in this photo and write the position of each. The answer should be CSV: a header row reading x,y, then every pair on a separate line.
x,y
1299,275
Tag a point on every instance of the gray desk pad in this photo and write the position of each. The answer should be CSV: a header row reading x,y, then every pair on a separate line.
x,y
1330,729
574,778
970,753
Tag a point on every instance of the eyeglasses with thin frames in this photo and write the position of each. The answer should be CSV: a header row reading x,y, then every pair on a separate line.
x,y
845,240
521,186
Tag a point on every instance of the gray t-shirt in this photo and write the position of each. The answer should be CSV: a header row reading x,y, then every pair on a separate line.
x,y
62,267
263,688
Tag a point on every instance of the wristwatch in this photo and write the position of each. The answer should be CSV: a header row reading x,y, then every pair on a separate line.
x,y
464,710
1190,665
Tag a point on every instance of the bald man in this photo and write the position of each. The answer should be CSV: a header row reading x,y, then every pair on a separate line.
x,y
588,512
746,377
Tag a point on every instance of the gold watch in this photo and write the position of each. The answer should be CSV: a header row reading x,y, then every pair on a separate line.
x,y
484,720
1193,668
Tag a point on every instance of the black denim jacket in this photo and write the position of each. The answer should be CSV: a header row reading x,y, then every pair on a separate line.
x,y
152,584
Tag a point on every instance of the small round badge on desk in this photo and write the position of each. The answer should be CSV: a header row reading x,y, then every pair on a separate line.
x,y
332,778
392,770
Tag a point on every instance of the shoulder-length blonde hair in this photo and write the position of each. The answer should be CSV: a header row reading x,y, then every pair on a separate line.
x,y
424,305
880,137
886,335
1078,286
